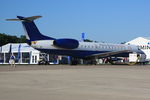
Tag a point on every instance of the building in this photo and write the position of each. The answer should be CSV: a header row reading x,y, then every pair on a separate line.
x,y
24,53
143,43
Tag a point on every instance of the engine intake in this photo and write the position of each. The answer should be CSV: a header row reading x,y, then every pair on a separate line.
x,y
66,43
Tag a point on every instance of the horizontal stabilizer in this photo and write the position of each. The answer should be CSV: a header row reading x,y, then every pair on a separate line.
x,y
20,18
13,19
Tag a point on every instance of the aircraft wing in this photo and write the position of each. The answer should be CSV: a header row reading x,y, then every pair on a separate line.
x,y
107,54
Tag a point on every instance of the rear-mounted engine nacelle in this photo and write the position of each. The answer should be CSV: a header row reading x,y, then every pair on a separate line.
x,y
66,43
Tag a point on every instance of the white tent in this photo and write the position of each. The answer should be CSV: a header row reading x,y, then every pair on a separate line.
x,y
143,43
24,53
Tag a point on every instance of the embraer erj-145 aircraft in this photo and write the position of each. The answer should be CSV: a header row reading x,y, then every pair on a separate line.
x,y
72,47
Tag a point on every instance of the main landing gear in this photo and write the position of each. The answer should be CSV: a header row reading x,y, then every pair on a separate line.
x,y
76,61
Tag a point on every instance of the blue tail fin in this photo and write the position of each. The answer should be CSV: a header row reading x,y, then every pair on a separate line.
x,y
31,31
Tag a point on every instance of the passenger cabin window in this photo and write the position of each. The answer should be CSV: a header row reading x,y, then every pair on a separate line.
x,y
95,46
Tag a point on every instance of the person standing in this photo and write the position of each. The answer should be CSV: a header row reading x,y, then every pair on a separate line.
x,y
12,60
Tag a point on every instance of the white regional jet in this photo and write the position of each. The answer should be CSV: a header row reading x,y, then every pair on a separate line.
x,y
72,47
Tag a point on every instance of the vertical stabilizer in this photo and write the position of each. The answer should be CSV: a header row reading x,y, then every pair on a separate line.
x,y
31,31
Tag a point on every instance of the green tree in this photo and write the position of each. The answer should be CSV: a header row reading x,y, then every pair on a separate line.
x,y
5,39
88,40
22,39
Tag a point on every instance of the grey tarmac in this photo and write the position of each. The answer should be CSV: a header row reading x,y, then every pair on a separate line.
x,y
82,82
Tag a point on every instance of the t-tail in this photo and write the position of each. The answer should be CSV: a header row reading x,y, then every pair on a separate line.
x,y
31,31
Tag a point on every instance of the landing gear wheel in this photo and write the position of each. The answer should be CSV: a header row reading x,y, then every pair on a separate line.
x,y
74,61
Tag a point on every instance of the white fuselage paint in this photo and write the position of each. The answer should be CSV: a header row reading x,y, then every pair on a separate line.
x,y
87,46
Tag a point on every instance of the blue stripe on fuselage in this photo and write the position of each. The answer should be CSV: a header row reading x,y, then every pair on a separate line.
x,y
78,53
